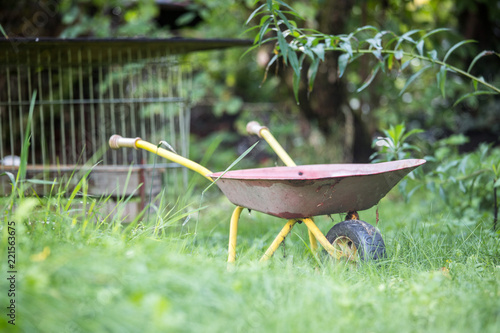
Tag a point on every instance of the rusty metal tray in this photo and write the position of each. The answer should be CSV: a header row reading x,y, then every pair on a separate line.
x,y
312,190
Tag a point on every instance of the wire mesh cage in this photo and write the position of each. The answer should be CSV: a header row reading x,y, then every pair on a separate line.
x,y
85,92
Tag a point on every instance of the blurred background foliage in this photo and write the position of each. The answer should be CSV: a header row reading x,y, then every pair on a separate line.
x,y
334,122
229,89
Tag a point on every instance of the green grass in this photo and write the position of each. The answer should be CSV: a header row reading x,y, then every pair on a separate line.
x,y
81,269
76,274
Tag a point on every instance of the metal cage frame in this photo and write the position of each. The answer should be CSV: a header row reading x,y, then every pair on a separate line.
x,y
87,90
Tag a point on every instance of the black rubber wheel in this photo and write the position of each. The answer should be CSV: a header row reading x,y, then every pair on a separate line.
x,y
357,240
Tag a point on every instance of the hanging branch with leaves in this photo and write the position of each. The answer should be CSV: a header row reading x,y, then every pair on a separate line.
x,y
294,45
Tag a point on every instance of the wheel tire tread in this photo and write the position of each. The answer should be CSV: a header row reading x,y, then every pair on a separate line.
x,y
366,237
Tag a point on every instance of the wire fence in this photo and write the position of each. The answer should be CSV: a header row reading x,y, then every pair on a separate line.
x,y
85,95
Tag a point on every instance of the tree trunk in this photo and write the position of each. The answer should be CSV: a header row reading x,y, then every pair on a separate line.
x,y
328,104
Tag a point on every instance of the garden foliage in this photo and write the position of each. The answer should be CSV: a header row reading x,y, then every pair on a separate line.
x,y
294,45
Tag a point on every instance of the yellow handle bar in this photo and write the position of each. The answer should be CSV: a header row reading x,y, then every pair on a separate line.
x,y
117,141
254,127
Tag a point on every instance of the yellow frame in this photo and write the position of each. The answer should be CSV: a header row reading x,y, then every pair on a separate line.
x,y
264,133
315,235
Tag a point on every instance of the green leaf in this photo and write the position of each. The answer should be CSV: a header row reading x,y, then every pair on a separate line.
x,y
255,12
412,132
389,43
273,59
294,62
406,146
311,74
456,46
396,132
442,194
377,54
435,31
263,31
268,40
405,64
475,93
479,56
255,27
295,33
370,78
283,46
461,186
412,78
285,20
342,63
319,50
285,5
497,183
185,18
432,54
406,37
420,47
307,51
399,54
11,177
293,14
296,84
390,61
346,45
441,80
3,32
366,27
263,19
375,43
269,5
249,50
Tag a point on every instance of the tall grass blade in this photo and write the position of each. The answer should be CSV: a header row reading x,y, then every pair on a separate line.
x,y
21,173
231,166
77,189
11,177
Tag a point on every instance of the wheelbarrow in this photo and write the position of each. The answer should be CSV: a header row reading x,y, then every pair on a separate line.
x,y
298,193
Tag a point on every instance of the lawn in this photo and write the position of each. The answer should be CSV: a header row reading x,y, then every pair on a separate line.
x,y
75,274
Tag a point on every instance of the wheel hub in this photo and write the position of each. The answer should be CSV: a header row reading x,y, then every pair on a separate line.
x,y
346,247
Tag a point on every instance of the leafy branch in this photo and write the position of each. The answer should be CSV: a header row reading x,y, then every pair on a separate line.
x,y
293,45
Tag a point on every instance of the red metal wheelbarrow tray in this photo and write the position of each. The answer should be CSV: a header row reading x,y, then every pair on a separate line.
x,y
313,190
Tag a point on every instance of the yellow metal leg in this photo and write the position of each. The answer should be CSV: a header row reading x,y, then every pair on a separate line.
x,y
233,232
278,149
321,238
313,242
278,240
